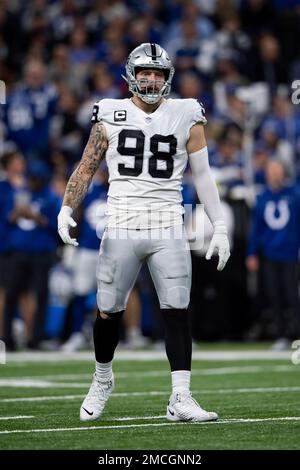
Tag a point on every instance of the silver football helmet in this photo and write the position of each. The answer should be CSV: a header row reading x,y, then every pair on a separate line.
x,y
149,56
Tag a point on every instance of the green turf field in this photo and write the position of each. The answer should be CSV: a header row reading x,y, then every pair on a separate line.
x,y
258,402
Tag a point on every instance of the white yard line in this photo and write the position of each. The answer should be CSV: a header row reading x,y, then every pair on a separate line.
x,y
254,390
25,383
216,391
134,418
50,398
158,393
43,380
59,357
4,418
127,426
126,418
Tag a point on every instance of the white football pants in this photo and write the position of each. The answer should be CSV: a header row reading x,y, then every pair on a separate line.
x,y
122,253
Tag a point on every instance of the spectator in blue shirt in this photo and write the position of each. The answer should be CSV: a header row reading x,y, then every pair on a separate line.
x,y
274,240
29,110
13,166
33,241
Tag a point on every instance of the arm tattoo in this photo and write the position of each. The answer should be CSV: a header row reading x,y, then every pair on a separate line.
x,y
81,178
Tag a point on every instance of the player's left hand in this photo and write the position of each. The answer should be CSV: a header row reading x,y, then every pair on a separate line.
x,y
220,244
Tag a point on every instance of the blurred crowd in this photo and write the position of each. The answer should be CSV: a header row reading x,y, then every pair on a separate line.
x,y
239,58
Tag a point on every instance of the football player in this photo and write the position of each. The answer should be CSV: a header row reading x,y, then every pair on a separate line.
x,y
146,140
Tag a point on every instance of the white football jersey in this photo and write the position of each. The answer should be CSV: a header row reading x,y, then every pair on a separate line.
x,y
146,158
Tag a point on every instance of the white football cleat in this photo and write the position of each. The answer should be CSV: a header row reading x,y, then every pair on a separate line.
x,y
95,401
183,407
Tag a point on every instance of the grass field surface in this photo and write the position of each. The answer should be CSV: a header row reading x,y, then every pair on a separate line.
x,y
258,401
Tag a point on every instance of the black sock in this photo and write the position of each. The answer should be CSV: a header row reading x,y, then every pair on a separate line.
x,y
106,336
178,338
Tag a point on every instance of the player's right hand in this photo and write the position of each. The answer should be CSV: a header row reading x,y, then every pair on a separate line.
x,y
64,222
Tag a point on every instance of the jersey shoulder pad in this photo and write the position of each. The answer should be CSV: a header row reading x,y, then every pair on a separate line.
x,y
103,110
196,110
190,109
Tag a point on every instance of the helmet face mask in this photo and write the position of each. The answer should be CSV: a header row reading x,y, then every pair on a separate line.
x,y
149,56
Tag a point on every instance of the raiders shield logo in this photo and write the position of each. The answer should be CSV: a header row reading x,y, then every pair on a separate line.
x,y
120,115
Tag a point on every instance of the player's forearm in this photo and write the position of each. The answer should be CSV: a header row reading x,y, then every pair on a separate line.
x,y
81,178
205,185
77,188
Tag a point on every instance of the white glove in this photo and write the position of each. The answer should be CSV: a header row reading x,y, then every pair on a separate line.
x,y
64,222
220,243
